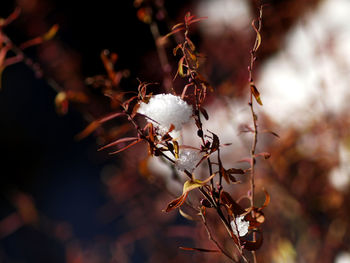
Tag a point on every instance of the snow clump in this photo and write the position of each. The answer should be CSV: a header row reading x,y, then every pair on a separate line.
x,y
166,109
242,226
188,159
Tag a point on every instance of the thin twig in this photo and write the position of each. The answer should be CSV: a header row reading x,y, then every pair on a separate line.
x,y
254,117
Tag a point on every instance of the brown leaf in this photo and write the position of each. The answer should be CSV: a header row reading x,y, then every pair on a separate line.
x,y
127,139
176,203
176,49
258,37
235,171
215,144
267,200
51,33
223,173
126,147
256,93
231,205
204,112
200,249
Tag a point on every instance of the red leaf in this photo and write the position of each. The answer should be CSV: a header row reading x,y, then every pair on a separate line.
x,y
126,147
127,139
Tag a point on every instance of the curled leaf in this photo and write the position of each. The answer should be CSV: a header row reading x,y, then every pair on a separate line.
x,y
267,200
181,67
51,33
176,203
258,37
189,185
185,215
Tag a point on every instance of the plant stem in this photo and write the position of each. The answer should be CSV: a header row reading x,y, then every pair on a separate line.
x,y
254,117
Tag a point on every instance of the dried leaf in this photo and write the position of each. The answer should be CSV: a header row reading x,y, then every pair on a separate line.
x,y
189,185
13,16
204,112
51,33
200,249
126,147
181,67
215,144
235,171
258,37
176,149
127,139
231,205
267,200
256,93
176,203
173,32
223,173
176,26
187,216
176,49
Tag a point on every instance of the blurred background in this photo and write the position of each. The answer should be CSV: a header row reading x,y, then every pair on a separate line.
x,y
63,201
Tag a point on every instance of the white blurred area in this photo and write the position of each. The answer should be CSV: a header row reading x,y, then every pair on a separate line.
x,y
308,79
224,15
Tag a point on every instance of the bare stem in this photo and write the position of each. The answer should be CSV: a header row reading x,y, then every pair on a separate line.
x,y
254,117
